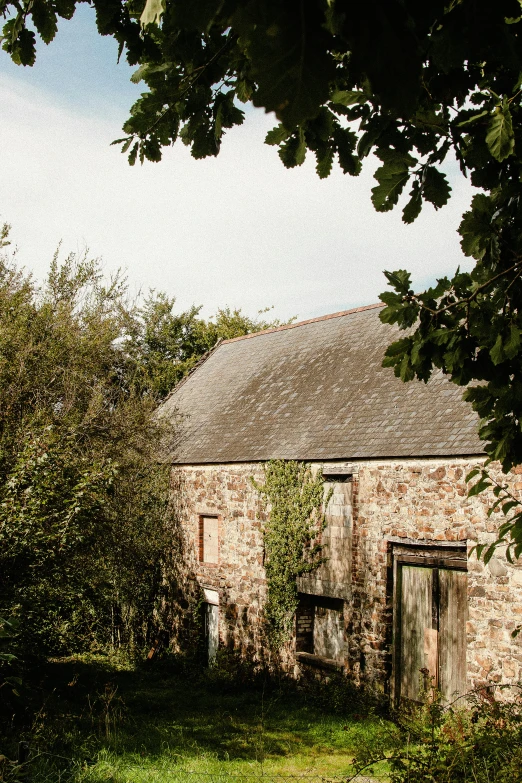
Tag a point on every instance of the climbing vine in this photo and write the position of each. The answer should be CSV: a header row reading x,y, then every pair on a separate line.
x,y
291,538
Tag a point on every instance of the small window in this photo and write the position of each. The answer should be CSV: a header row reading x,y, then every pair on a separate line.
x,y
208,540
320,627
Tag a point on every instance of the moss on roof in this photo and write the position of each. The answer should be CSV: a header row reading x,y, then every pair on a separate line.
x,y
315,391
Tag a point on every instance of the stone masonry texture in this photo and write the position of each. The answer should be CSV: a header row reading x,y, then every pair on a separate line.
x,y
410,500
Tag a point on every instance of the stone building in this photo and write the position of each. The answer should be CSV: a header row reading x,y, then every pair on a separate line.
x,y
400,591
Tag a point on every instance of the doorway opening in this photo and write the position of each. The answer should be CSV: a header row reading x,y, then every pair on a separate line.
x,y
211,623
429,620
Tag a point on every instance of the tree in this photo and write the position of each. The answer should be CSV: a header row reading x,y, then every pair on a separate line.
x,y
87,525
414,83
85,519
166,345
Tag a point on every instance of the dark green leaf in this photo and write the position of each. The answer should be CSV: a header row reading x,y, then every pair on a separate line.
x,y
413,208
392,176
500,137
133,154
476,228
473,119
512,344
479,487
347,97
436,188
293,151
324,162
44,19
277,135
497,352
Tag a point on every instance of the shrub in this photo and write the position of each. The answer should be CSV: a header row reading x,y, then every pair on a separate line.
x,y
476,739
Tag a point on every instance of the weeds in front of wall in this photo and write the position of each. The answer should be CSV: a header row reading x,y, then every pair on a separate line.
x,y
342,697
474,739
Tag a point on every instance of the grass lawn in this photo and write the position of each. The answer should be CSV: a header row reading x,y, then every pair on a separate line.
x,y
135,725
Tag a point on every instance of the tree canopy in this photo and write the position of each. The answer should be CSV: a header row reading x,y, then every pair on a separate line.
x,y
84,507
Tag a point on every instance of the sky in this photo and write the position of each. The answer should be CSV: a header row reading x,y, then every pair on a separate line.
x,y
238,230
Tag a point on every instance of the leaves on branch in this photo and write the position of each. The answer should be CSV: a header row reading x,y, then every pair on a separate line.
x,y
500,137
152,13
286,46
392,176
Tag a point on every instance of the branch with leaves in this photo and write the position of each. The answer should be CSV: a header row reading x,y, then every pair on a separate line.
x,y
509,534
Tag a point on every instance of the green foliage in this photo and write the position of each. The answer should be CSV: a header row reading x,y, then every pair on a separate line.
x,y
7,634
9,680
473,740
296,500
88,534
84,508
96,721
336,694
509,535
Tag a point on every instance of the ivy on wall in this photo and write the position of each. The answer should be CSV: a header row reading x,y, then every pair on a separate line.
x,y
291,538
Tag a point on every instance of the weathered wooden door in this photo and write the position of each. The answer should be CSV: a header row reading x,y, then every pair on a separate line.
x,y
453,613
416,627
430,629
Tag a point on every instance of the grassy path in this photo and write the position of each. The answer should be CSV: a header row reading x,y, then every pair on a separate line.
x,y
141,725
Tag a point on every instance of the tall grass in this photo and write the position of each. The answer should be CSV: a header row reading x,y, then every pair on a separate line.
x,y
96,721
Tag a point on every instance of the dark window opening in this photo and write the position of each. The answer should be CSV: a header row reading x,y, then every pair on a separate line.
x,y
320,628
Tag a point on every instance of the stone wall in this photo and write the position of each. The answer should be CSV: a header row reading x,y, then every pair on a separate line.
x,y
392,500
426,500
239,577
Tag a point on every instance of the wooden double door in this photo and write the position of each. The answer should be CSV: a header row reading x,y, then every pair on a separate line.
x,y
430,613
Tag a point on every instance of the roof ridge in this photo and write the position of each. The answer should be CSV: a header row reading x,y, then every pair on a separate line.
x,y
340,314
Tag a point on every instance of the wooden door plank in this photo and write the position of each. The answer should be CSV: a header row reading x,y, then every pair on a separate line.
x,y
416,617
452,638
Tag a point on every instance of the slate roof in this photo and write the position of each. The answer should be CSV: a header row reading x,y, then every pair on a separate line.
x,y
315,391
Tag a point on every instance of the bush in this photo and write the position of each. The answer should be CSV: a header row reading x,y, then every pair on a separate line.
x,y
476,739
